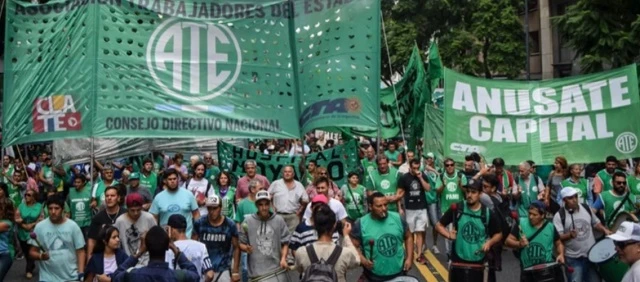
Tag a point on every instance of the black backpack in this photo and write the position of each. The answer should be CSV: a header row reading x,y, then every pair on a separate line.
x,y
563,212
321,270
501,209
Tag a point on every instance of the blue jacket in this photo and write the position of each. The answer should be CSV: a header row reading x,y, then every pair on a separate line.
x,y
96,263
156,271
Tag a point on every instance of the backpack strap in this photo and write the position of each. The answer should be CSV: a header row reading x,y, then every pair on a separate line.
x,y
186,184
206,192
563,215
313,257
335,255
626,198
538,231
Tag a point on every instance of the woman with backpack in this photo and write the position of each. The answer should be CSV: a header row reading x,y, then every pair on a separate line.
x,y
535,240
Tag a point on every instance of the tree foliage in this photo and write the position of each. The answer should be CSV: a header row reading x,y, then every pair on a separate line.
x,y
603,33
479,37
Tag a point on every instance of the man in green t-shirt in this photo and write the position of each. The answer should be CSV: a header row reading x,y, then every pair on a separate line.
x,y
369,163
79,201
383,241
431,175
211,170
7,168
148,178
247,205
603,180
609,201
97,193
385,181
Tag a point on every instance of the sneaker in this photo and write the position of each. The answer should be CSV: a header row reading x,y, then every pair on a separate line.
x,y
28,275
421,259
19,257
435,250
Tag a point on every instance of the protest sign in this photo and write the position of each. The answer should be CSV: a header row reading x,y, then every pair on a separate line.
x,y
339,161
583,118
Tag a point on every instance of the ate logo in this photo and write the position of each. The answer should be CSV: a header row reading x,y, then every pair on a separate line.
x,y
387,245
193,59
536,253
471,233
55,113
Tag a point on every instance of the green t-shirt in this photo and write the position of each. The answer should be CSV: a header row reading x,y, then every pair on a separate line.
x,y
607,179
354,199
471,234
58,182
14,193
80,204
582,187
393,156
368,166
245,207
634,184
386,184
98,191
8,173
150,182
29,214
611,202
227,201
540,249
211,174
433,179
388,249
452,192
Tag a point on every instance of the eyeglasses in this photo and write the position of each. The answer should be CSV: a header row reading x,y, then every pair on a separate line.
x,y
623,244
449,165
621,182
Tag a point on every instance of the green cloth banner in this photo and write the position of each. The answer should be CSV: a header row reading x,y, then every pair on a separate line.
x,y
583,118
339,161
433,132
187,68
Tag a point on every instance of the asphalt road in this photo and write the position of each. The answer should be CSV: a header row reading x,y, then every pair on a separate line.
x,y
435,270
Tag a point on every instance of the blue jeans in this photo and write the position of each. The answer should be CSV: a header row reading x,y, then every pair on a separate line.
x,y
6,260
243,266
583,270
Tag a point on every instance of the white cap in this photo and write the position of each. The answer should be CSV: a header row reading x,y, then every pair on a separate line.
x,y
568,192
212,201
628,231
262,195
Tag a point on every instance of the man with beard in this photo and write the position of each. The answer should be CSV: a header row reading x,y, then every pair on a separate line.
x,y
97,193
79,200
134,187
480,230
264,236
220,236
243,183
133,224
106,216
174,200
199,186
604,179
7,168
59,247
391,253
575,223
617,200
148,178
385,181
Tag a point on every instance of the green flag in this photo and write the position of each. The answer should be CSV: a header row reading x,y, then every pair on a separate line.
x,y
187,68
433,131
540,120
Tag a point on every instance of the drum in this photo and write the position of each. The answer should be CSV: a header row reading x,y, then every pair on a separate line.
x,y
622,217
603,254
464,272
404,278
548,272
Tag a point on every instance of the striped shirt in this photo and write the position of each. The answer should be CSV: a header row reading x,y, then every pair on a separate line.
x,y
305,234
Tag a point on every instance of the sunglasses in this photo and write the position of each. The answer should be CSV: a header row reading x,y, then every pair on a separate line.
x,y
620,182
623,244
449,165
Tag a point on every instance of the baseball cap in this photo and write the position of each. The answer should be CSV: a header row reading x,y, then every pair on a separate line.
x,y
568,192
134,200
320,199
262,195
628,231
134,176
429,155
177,221
213,201
474,184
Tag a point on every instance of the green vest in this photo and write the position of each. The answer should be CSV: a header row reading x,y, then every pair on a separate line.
x,y
452,192
388,248
211,174
29,214
14,194
607,180
432,195
80,205
471,234
611,202
227,201
354,200
150,182
100,187
8,173
393,157
540,249
581,186
528,195
386,184
368,166
634,184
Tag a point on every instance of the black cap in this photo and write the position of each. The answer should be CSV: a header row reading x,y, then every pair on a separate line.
x,y
177,221
473,184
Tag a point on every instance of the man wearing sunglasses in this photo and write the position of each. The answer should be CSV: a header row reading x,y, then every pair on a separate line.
x,y
617,200
627,241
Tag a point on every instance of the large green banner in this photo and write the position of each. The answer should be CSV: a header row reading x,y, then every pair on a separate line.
x,y
583,118
339,161
186,68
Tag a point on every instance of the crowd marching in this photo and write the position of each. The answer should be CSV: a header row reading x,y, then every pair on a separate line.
x,y
163,219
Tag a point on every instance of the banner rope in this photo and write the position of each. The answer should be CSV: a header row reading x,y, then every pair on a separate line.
x,y
395,93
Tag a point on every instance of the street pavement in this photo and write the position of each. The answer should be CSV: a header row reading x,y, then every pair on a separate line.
x,y
434,270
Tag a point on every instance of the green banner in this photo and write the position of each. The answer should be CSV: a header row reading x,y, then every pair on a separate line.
x,y
433,132
339,161
177,68
583,118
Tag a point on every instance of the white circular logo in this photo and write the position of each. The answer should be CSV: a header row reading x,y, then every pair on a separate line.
x,y
79,206
626,142
193,59
385,184
451,187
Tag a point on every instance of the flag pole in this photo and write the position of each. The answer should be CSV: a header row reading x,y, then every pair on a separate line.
x,y
92,161
393,85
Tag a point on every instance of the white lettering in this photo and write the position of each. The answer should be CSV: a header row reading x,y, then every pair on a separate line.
x,y
489,103
618,91
595,93
463,98
572,99
601,126
477,122
561,127
524,127
547,106
503,131
582,129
